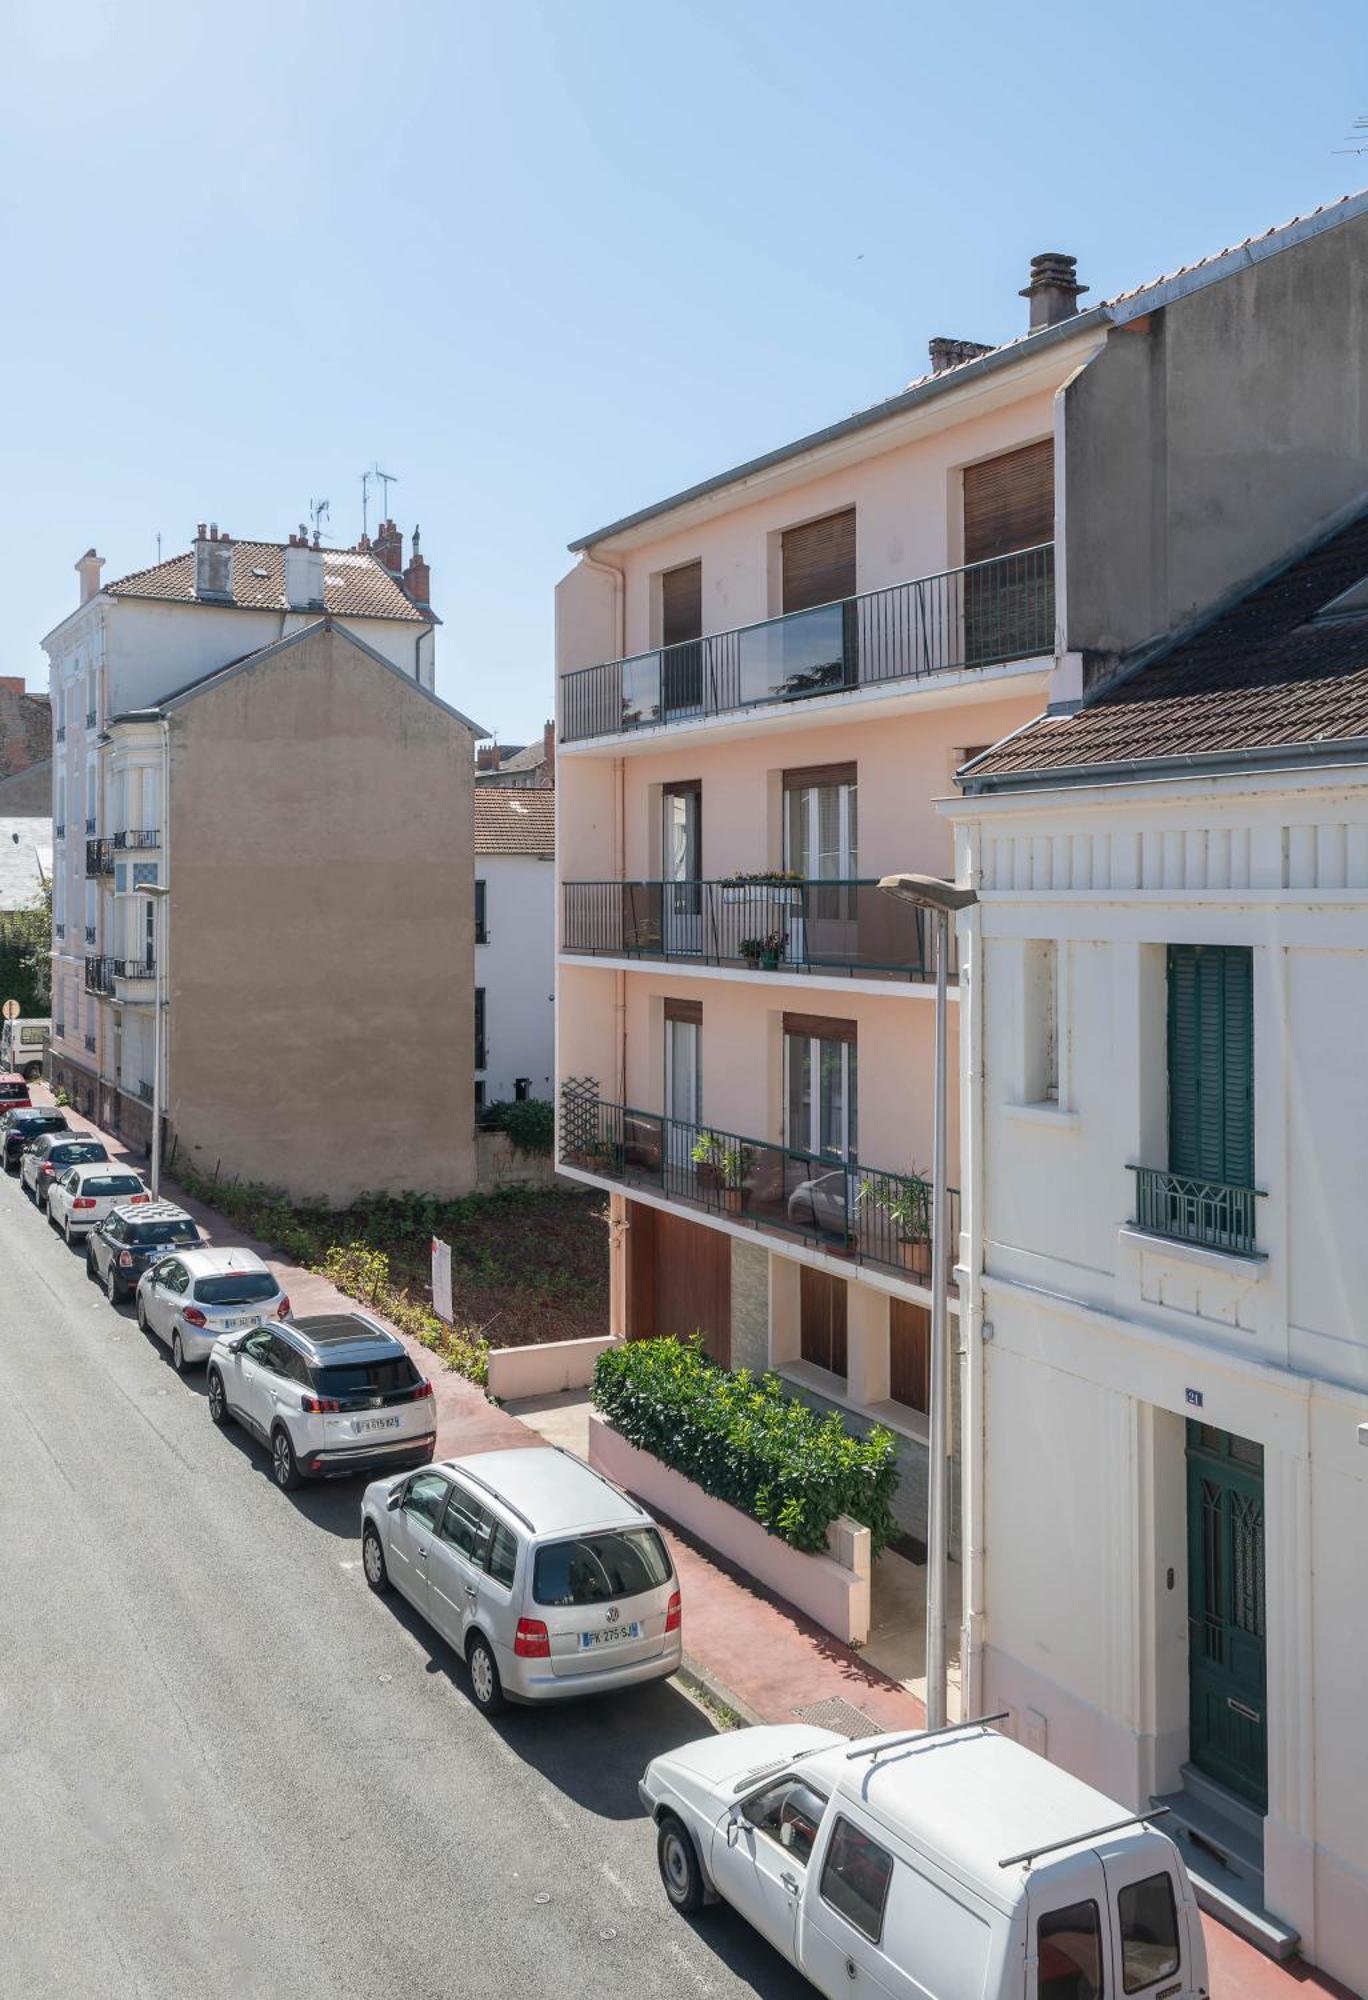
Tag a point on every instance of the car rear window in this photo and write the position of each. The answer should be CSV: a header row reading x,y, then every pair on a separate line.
x,y
157,1233
367,1378
72,1151
236,1288
111,1184
1149,1932
594,1569
9,1091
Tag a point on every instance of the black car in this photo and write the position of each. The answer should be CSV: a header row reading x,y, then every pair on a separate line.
x,y
21,1128
129,1239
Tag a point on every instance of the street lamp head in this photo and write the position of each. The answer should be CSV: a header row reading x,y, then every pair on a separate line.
x,y
928,892
153,890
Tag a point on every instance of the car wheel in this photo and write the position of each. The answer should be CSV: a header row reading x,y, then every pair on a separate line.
x,y
112,1292
485,1684
142,1317
284,1464
218,1401
66,1231
677,1858
177,1354
373,1561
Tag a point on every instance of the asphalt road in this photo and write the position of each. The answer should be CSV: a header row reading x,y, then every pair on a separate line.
x,y
226,1768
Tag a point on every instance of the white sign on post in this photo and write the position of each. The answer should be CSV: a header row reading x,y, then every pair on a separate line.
x,y
441,1280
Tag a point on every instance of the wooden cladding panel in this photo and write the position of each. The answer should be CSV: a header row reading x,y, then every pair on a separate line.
x,y
822,1320
681,604
820,774
819,561
909,1354
678,1280
684,1010
1009,502
826,1027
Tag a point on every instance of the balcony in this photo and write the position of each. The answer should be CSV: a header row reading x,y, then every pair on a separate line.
x,y
140,838
1212,1214
99,975
99,857
145,1090
134,971
867,1214
844,929
984,615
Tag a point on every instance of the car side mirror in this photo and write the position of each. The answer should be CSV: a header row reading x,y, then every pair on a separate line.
x,y
733,1829
395,1498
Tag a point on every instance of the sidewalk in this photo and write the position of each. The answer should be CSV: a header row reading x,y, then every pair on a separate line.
x,y
744,1649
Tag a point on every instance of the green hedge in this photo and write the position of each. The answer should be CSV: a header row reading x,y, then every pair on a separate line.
x,y
742,1439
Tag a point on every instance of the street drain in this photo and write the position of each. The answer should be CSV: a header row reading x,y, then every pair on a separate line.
x,y
840,1715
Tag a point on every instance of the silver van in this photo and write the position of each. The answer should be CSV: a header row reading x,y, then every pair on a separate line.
x,y
547,1580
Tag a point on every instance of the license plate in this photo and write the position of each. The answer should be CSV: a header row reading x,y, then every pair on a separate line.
x,y
611,1635
376,1424
232,1325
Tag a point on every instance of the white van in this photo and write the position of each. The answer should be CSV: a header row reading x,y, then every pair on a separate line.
x,y
952,1864
23,1044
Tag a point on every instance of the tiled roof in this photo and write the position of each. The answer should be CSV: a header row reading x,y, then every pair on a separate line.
x,y
355,584
517,820
1266,674
530,759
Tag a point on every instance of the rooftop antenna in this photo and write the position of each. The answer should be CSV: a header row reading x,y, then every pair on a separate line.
x,y
366,478
159,545
1358,138
318,514
387,479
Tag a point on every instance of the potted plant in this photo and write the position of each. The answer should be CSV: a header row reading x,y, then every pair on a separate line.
x,y
907,1204
722,1164
751,949
764,953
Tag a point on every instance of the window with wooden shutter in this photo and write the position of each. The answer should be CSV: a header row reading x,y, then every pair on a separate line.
x,y
1009,502
681,604
819,561
1211,1062
909,1354
479,1027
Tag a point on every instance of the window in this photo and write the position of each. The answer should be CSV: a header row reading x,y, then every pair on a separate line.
x,y
1040,1015
1149,1932
818,561
425,1496
820,823
1211,1062
501,1559
481,905
790,1814
681,628
155,1233
480,1050
367,1378
522,1089
684,1066
479,1096
290,1362
236,1288
173,1277
466,1525
593,1569
106,1184
257,1347
855,1878
1069,1954
819,1056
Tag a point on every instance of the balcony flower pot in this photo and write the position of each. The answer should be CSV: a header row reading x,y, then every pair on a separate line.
x,y
734,1199
707,1175
916,1256
769,961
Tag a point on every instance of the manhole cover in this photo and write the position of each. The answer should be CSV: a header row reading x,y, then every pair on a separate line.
x,y
838,1714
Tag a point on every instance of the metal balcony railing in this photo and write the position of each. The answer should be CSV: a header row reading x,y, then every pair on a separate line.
x,y
138,837
869,1214
847,928
980,616
90,1045
90,826
60,732
99,974
90,933
59,929
99,857
90,718
134,968
145,1090
1213,1214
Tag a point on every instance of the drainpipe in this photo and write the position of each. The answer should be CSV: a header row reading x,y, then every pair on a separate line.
x,y
972,1425
619,582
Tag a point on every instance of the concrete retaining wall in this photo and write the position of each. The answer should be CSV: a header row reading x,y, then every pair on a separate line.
x,y
546,1369
835,1594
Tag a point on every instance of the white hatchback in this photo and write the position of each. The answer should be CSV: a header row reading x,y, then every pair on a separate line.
x,y
195,1297
80,1199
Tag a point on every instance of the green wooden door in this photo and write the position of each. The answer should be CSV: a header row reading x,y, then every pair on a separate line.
x,y
1226,1647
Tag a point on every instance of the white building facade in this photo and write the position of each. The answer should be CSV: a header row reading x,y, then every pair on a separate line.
x,y
515,943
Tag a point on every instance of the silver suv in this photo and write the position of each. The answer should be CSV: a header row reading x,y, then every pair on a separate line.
x,y
328,1393
546,1579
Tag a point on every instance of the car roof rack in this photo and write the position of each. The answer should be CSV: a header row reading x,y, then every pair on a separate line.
x,y
876,1745
1029,1854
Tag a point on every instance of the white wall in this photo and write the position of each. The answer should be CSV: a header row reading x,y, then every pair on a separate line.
x,y
517,971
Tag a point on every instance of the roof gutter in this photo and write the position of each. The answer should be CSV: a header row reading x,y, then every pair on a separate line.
x,y
1339,749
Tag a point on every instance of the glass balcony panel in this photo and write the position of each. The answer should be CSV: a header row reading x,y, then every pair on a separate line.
x,y
791,657
640,691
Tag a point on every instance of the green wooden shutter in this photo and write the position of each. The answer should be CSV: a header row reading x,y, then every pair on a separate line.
x,y
1211,1062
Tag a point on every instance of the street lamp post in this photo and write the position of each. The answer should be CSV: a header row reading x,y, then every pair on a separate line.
x,y
940,900
156,895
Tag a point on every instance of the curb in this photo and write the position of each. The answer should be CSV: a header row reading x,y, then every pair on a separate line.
x,y
701,1681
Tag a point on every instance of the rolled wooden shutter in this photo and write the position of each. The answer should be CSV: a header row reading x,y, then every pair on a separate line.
x,y
819,561
681,604
1009,502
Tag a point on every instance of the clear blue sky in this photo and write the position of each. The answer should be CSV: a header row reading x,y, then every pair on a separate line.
x,y
549,262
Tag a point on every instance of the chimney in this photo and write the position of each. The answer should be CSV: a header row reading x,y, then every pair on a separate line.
x,y
389,547
1054,288
417,576
303,574
549,753
948,353
487,757
88,569
213,565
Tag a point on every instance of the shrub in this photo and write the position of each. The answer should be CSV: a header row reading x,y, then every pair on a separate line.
x,y
530,1122
742,1439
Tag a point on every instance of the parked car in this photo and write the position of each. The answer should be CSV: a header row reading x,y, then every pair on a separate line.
x,y
83,1196
937,1865
330,1394
193,1297
21,1127
22,1046
546,1580
14,1092
119,1249
49,1155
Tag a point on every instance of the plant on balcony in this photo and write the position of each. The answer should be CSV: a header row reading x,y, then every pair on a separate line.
x,y
778,877
740,1438
723,1164
764,953
906,1202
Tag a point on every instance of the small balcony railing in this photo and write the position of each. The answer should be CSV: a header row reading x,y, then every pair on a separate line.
x,y
865,1213
59,929
145,1090
134,968
846,928
90,718
90,1045
60,732
1214,1214
99,974
90,933
90,826
99,857
983,615
141,837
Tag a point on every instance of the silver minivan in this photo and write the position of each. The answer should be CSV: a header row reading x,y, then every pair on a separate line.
x,y
546,1579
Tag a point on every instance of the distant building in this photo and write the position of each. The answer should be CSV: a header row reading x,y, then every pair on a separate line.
x,y
504,764
515,940
251,726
